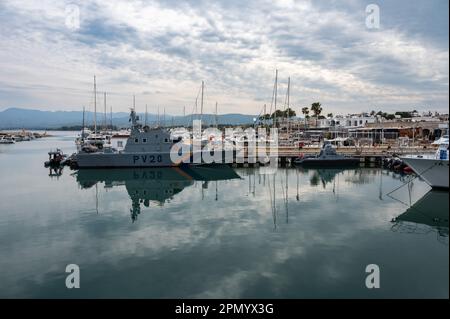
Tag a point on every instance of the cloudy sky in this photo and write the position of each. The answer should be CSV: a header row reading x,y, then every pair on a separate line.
x,y
162,50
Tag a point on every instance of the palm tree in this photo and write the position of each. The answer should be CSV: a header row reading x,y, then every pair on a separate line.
x,y
316,107
305,111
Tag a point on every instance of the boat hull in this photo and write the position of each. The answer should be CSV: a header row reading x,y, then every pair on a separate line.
x,y
116,160
311,162
433,171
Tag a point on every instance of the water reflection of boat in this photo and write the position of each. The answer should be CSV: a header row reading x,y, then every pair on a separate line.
x,y
427,214
325,176
153,184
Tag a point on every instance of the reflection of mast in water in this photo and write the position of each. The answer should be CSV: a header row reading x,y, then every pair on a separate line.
x,y
334,185
254,183
217,195
252,186
298,195
273,201
337,188
380,192
285,195
203,190
96,197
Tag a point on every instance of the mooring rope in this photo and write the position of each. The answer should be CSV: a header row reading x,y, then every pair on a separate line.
x,y
410,180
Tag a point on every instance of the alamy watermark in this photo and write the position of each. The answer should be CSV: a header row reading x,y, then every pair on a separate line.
x,y
72,17
373,279
73,279
372,16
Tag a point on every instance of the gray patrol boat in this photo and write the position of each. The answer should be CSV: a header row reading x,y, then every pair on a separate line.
x,y
146,147
327,158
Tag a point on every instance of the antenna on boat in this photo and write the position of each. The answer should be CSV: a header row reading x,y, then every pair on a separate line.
x,y
95,106
158,116
164,117
145,122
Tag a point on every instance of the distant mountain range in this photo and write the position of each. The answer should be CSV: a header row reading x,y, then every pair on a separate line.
x,y
17,118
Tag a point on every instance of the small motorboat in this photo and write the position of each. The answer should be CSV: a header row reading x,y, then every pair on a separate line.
x,y
7,140
327,158
55,158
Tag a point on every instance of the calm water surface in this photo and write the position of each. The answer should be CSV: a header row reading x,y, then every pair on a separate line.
x,y
216,233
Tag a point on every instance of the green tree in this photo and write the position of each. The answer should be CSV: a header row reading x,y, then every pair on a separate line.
x,y
330,115
403,114
289,113
276,115
305,111
316,107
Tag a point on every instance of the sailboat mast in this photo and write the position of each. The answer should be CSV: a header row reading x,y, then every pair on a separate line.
x,y
111,118
201,103
215,117
275,102
288,91
95,107
82,130
288,111
265,119
104,124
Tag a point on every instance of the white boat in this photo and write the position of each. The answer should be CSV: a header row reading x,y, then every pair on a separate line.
x,y
432,168
180,133
7,140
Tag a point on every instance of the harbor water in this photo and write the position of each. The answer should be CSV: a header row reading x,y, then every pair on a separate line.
x,y
216,232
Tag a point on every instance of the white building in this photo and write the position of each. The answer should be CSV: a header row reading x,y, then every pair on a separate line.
x,y
348,121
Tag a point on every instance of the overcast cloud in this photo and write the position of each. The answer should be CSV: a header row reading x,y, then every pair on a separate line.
x,y
162,50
